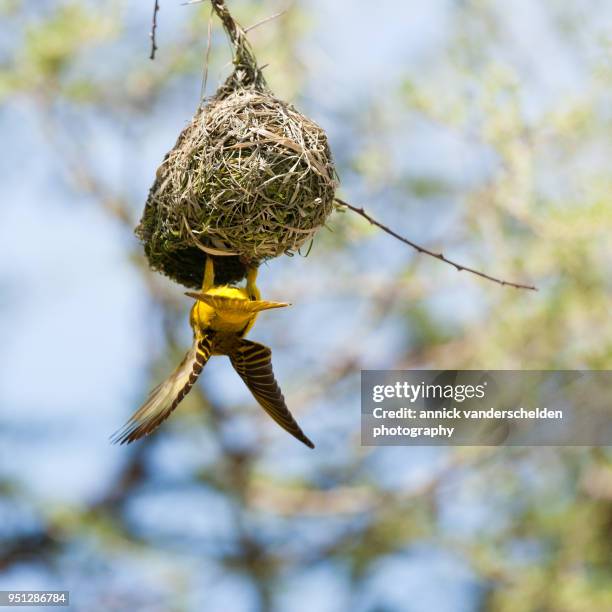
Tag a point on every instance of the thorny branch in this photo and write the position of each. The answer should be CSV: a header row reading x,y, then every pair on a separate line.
x,y
459,267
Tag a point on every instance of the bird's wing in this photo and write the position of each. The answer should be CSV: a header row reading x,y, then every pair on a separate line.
x,y
166,396
253,362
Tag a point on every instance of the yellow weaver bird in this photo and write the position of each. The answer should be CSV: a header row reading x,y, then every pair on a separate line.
x,y
220,318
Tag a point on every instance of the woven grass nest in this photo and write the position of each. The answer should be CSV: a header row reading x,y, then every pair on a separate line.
x,y
250,178
249,175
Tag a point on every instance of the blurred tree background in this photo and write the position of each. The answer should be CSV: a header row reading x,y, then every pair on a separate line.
x,y
481,127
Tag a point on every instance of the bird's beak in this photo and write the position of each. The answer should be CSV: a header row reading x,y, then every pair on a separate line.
x,y
259,305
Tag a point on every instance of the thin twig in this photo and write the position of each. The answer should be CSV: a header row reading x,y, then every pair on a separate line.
x,y
154,30
420,249
265,20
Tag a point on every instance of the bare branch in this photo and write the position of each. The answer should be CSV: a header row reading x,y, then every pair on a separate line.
x,y
440,256
154,30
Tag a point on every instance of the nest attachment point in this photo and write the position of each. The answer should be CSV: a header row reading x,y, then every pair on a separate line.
x,y
250,178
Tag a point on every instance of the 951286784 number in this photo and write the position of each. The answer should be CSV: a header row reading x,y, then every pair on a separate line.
x,y
34,598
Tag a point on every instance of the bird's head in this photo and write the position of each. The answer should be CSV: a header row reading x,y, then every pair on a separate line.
x,y
228,308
